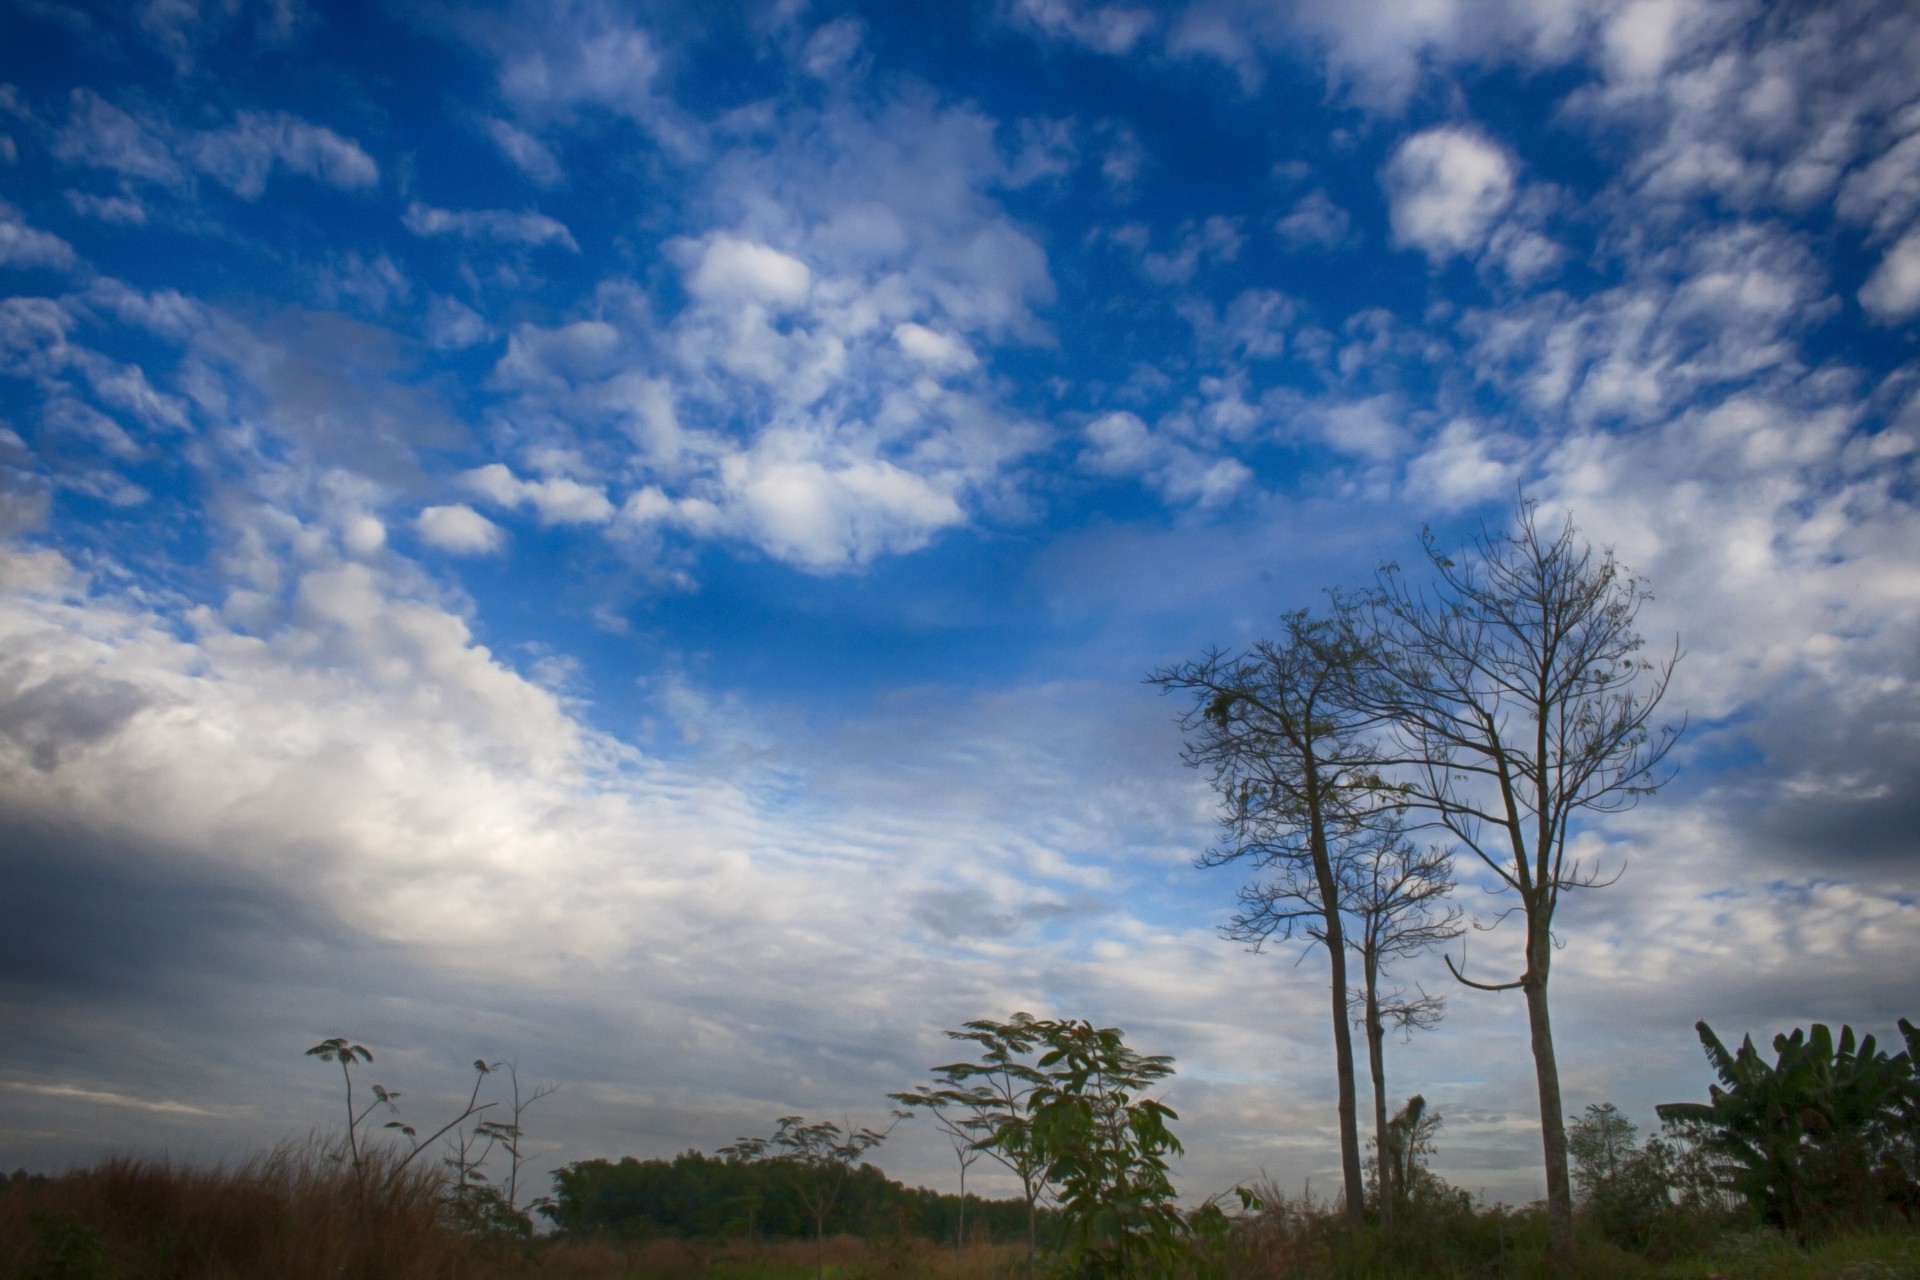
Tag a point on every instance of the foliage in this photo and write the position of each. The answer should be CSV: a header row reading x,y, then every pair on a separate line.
x,y
1625,1189
817,1157
986,1103
696,1196
1820,1138
1104,1147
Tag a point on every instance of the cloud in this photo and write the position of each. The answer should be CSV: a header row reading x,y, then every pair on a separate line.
x,y
728,269
240,156
243,155
1111,29
1315,221
528,153
122,210
558,499
501,226
453,326
1893,291
22,246
1445,189
1120,444
461,530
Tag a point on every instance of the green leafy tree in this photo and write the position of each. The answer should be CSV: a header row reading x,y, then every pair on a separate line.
x,y
989,1100
1625,1188
1517,699
1105,1147
819,1156
1403,1156
1281,732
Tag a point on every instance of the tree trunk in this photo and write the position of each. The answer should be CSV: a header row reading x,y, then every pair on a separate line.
x,y
1553,1124
1383,1165
1336,943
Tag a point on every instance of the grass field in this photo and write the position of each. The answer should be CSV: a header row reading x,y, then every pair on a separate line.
x,y
297,1215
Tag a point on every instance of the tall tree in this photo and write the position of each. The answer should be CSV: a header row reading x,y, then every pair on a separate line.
x,y
1396,892
1277,729
1518,700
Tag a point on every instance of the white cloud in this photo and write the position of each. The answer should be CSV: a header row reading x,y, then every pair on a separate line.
x,y
559,500
461,530
527,152
1105,28
452,325
1446,187
940,350
501,226
22,246
1893,291
1217,240
123,210
1120,444
243,155
729,269
100,134
1315,221
1459,468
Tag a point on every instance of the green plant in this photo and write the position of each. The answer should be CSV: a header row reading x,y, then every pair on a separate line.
x,y
989,1101
1625,1188
1817,1139
1105,1147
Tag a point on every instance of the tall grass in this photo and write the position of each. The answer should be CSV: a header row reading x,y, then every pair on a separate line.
x,y
299,1214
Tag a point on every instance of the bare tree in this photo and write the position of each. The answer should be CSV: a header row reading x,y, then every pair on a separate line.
x,y
1518,699
1277,729
1396,896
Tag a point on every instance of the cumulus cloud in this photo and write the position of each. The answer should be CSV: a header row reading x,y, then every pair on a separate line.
x,y
1314,222
501,226
1120,444
1445,188
1893,291
461,530
559,500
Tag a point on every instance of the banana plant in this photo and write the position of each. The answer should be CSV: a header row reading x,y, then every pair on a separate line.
x,y
1807,1137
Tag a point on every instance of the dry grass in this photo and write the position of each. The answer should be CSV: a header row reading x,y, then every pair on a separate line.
x,y
297,1214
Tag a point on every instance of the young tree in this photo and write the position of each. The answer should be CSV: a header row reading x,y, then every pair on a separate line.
x,y
990,1100
1105,1146
821,1156
1291,756
1518,700
1395,894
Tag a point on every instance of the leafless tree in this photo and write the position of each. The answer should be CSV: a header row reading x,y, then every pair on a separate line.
x,y
1517,700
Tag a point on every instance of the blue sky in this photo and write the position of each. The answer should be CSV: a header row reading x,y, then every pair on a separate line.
x,y
628,538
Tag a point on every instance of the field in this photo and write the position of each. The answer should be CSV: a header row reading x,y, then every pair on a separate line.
x,y
295,1214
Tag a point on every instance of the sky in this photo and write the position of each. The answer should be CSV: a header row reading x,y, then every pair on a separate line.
x,y
628,539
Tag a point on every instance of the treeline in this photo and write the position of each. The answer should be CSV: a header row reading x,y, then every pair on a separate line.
x,y
698,1196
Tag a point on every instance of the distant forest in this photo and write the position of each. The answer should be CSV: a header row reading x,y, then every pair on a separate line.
x,y
697,1196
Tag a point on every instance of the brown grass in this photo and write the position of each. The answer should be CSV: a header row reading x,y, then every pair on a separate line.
x,y
297,1214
